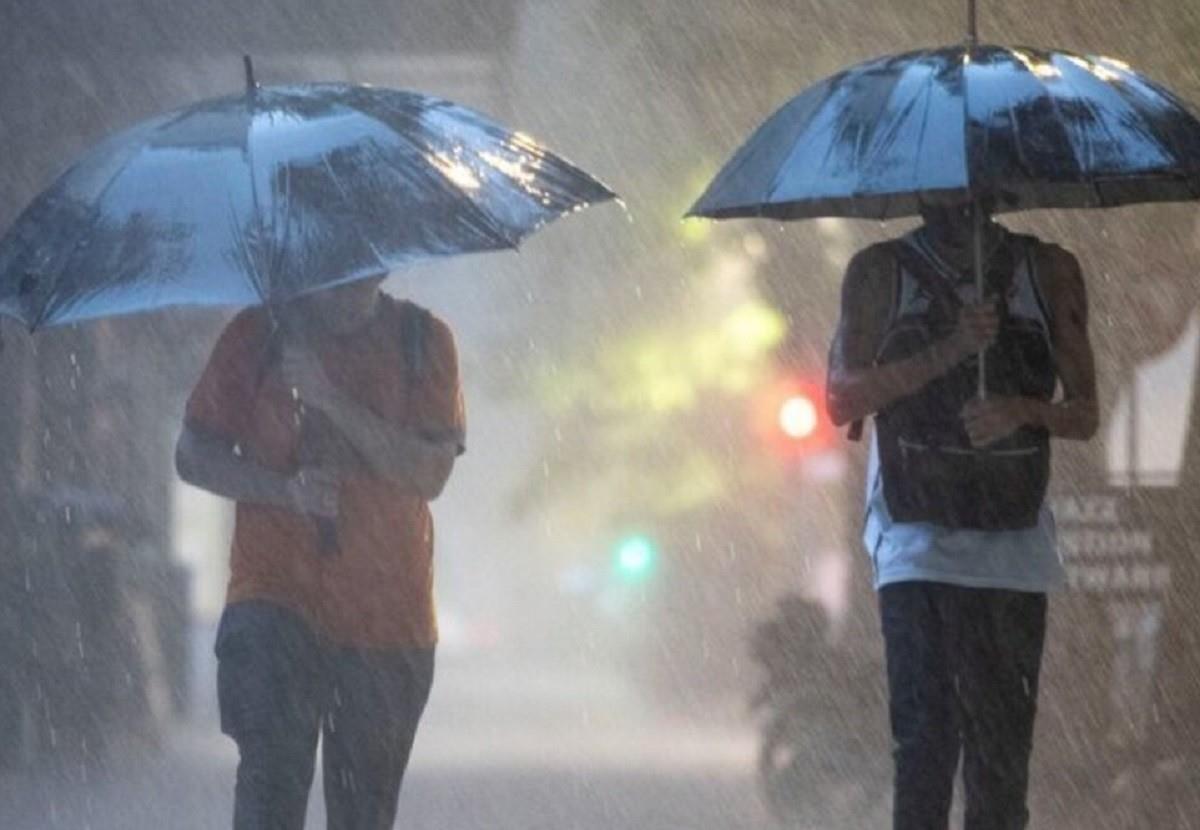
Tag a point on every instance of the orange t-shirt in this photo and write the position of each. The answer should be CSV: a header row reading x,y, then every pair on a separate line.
x,y
376,590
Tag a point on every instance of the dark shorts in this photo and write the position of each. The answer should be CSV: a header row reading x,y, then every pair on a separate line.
x,y
280,688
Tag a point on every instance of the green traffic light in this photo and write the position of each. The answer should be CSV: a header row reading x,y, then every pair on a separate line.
x,y
635,557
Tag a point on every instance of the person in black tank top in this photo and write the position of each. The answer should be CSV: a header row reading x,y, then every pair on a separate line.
x,y
963,660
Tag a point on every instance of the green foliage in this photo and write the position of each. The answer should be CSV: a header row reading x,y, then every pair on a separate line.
x,y
652,420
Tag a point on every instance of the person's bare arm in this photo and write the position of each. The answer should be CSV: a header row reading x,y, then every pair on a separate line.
x,y
403,456
215,465
856,386
1075,416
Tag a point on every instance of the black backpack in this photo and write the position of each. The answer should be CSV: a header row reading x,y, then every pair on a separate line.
x,y
929,470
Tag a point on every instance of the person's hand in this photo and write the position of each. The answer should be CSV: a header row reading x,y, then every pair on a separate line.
x,y
991,419
314,491
302,370
976,330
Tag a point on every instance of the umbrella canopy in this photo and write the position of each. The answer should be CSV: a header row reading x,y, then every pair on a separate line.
x,y
264,196
1025,128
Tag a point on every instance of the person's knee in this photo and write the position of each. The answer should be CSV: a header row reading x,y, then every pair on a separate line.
x,y
379,755
926,748
267,759
923,718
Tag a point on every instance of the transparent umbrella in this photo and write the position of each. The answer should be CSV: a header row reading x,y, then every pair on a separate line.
x,y
266,195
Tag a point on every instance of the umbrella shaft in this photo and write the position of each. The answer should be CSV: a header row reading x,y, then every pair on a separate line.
x,y
251,83
977,218
972,28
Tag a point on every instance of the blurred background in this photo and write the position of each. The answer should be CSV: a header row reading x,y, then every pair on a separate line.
x,y
655,609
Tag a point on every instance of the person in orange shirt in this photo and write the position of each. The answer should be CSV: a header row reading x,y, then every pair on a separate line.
x,y
332,423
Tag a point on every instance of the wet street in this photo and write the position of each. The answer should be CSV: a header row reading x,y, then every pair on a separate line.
x,y
189,789
514,745
523,750
521,746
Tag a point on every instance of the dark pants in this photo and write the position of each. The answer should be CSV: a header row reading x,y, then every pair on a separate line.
x,y
962,668
279,687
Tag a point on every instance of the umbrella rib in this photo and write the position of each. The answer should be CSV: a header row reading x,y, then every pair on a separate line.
x,y
921,138
777,179
46,309
968,180
1167,139
279,251
921,134
866,162
241,252
279,246
260,286
896,123
1049,93
246,257
337,182
488,220
1174,101
1088,176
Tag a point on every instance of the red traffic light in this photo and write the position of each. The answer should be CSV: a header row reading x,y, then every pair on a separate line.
x,y
798,417
789,416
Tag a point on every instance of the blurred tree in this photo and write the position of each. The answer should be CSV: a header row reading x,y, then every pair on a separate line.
x,y
657,415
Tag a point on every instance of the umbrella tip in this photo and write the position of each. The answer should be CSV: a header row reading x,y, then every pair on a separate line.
x,y
251,84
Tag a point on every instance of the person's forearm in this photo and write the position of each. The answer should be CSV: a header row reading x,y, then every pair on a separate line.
x,y
212,465
1073,420
397,454
857,393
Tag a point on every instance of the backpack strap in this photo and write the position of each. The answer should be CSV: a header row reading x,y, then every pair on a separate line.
x,y
918,263
999,270
855,431
271,352
412,334
413,331
1030,246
